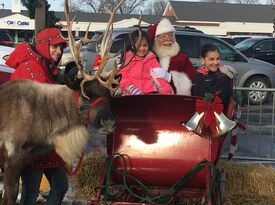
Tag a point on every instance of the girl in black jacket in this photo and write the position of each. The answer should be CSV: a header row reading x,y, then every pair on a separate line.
x,y
212,78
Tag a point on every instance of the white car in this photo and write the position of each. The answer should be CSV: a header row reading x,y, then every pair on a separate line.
x,y
5,50
5,73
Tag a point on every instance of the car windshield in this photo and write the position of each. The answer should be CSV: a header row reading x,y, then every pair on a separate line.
x,y
245,44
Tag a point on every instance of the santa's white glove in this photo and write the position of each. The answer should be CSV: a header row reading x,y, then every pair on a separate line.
x,y
161,73
229,71
133,90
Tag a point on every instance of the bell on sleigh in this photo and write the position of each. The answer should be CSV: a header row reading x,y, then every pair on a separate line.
x,y
195,123
224,125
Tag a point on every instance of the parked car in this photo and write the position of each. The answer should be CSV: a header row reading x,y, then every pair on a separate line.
x,y
239,38
262,48
227,39
6,39
89,52
5,73
4,51
251,72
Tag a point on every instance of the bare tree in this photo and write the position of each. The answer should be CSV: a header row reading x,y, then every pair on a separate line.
x,y
155,7
237,1
102,6
247,1
219,1
272,2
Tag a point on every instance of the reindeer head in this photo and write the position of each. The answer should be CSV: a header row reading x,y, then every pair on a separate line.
x,y
95,88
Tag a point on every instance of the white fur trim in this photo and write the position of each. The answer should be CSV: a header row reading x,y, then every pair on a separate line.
x,y
164,26
182,83
164,62
233,149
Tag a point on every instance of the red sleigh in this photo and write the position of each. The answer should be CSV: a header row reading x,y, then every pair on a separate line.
x,y
154,159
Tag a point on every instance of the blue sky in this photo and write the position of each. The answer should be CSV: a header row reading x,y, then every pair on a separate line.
x,y
56,5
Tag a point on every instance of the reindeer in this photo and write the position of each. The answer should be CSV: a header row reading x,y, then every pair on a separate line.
x,y
37,118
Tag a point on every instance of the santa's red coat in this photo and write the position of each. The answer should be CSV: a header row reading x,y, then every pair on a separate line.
x,y
181,63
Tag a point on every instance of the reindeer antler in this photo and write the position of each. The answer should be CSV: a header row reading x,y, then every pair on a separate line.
x,y
76,46
104,48
111,82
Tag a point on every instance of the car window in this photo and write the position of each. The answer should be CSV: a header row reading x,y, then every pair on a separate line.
x,y
227,53
265,45
119,43
187,45
95,45
245,44
240,39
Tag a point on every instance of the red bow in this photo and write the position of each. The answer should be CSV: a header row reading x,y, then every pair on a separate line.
x,y
209,109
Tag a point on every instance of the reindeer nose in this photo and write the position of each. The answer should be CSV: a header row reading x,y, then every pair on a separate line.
x,y
106,126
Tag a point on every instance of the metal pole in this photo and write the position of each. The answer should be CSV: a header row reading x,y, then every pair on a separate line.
x,y
40,16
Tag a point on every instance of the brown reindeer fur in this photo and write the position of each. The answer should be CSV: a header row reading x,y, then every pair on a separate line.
x,y
36,118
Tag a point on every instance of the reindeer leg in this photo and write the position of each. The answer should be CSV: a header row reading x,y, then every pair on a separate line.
x,y
12,171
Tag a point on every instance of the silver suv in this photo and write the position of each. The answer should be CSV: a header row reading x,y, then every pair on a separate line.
x,y
251,72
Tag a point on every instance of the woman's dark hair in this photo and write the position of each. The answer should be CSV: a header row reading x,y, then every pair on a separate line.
x,y
133,38
208,48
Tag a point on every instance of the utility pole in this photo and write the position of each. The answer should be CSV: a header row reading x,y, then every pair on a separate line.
x,y
40,15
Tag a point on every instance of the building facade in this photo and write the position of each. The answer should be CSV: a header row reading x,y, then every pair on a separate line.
x,y
223,18
211,18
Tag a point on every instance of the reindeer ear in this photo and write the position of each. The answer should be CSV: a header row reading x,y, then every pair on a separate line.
x,y
71,78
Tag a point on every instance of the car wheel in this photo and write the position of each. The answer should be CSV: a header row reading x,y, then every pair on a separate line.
x,y
255,97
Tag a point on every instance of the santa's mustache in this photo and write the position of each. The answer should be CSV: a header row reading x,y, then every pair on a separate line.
x,y
167,43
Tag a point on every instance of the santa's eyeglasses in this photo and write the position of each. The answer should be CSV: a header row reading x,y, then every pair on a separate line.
x,y
165,36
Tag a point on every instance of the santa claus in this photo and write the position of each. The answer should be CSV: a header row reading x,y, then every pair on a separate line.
x,y
175,66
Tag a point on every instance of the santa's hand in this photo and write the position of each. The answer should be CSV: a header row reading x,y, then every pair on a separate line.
x,y
229,71
161,73
133,90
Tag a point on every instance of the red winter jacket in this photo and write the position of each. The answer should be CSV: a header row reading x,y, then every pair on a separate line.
x,y
30,64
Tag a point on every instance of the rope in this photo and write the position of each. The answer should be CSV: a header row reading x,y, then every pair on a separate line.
x,y
74,172
169,193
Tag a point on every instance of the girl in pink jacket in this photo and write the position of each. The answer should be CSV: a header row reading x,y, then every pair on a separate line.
x,y
136,76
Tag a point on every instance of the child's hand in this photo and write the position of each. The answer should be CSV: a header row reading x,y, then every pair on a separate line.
x,y
161,73
133,90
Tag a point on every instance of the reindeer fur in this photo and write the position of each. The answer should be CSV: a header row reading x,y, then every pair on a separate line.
x,y
37,118
41,114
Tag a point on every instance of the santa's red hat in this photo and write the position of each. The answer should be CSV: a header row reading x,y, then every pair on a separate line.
x,y
164,26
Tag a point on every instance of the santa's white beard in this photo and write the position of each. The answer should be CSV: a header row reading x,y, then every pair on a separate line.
x,y
165,51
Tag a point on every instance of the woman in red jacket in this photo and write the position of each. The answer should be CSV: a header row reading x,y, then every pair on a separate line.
x,y
38,62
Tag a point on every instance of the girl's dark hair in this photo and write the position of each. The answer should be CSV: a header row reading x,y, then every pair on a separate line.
x,y
208,48
133,38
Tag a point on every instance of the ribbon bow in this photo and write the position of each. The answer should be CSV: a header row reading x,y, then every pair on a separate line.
x,y
209,109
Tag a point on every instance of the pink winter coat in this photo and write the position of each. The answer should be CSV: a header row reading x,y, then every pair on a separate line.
x,y
137,72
